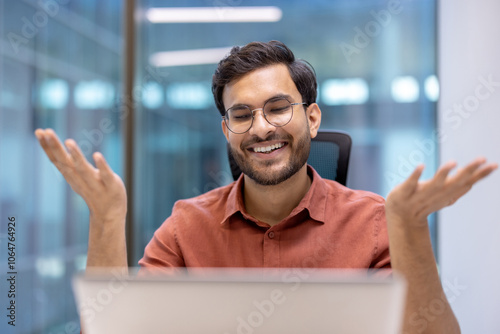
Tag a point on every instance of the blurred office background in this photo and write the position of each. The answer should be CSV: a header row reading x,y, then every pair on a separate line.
x,y
62,65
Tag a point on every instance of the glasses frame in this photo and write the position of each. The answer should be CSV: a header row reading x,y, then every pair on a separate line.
x,y
226,120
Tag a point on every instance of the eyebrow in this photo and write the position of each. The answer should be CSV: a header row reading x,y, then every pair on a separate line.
x,y
277,96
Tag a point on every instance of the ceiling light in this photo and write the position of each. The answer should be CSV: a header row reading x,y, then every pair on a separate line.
x,y
405,89
53,94
188,57
213,14
431,87
344,91
94,94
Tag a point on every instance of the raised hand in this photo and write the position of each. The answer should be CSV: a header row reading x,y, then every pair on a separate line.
x,y
102,190
413,200
407,208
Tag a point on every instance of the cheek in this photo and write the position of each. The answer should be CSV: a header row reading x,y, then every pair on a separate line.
x,y
300,128
234,141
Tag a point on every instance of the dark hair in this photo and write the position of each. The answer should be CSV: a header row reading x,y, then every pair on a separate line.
x,y
255,55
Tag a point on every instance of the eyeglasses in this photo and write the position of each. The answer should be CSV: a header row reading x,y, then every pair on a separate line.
x,y
277,112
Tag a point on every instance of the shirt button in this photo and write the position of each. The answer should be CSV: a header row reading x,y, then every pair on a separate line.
x,y
270,235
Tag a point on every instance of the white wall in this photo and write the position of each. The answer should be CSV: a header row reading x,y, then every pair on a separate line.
x,y
469,232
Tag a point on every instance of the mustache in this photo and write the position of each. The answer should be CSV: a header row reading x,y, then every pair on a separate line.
x,y
256,140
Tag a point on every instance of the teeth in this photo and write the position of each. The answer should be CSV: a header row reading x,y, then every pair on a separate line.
x,y
267,149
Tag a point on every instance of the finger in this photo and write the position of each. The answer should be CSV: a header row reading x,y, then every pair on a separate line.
x,y
462,183
83,167
40,135
432,186
107,174
411,182
60,158
484,171
53,147
471,173
443,172
474,165
478,175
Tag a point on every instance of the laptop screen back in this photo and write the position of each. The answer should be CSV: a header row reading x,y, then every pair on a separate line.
x,y
242,301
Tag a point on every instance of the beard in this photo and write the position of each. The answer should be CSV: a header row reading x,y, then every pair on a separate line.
x,y
267,176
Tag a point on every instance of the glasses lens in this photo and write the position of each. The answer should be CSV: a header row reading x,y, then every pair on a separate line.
x,y
278,112
239,119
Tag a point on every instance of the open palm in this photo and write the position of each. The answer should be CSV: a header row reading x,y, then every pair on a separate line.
x,y
102,189
414,200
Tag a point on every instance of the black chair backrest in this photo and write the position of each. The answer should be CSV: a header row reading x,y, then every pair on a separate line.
x,y
329,156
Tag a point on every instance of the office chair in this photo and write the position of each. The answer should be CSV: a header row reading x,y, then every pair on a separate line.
x,y
329,156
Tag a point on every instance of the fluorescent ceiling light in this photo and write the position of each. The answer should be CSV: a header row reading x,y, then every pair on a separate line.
x,y
52,267
405,89
431,87
188,57
344,91
191,95
94,95
152,95
213,14
53,94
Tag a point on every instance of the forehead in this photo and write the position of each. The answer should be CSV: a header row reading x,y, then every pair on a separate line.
x,y
256,87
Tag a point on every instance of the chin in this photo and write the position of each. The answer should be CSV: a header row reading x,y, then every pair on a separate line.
x,y
271,178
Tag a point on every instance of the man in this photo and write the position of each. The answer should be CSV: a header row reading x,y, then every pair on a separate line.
x,y
280,213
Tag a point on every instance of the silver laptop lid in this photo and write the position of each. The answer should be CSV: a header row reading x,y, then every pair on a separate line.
x,y
242,301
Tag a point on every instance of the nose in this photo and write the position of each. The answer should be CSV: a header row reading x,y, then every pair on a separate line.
x,y
260,127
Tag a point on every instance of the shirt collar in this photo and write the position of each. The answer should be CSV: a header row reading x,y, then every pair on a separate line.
x,y
235,202
314,201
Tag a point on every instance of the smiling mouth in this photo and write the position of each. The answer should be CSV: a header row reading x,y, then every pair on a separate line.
x,y
267,149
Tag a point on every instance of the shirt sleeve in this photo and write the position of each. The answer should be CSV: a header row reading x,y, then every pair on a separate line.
x,y
381,256
163,250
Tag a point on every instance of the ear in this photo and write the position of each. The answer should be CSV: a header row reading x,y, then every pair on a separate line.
x,y
313,114
225,130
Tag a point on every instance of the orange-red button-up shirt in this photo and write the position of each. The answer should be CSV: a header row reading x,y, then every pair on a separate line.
x,y
332,227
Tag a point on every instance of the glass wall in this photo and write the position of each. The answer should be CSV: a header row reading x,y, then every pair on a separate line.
x,y
375,62
60,67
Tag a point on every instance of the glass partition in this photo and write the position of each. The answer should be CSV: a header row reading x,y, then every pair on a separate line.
x,y
60,67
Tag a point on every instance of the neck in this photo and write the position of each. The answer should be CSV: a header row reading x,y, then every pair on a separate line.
x,y
271,204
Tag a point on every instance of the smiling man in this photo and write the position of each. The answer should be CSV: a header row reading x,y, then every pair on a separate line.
x,y
280,212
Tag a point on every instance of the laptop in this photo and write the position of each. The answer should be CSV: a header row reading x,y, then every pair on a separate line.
x,y
242,301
